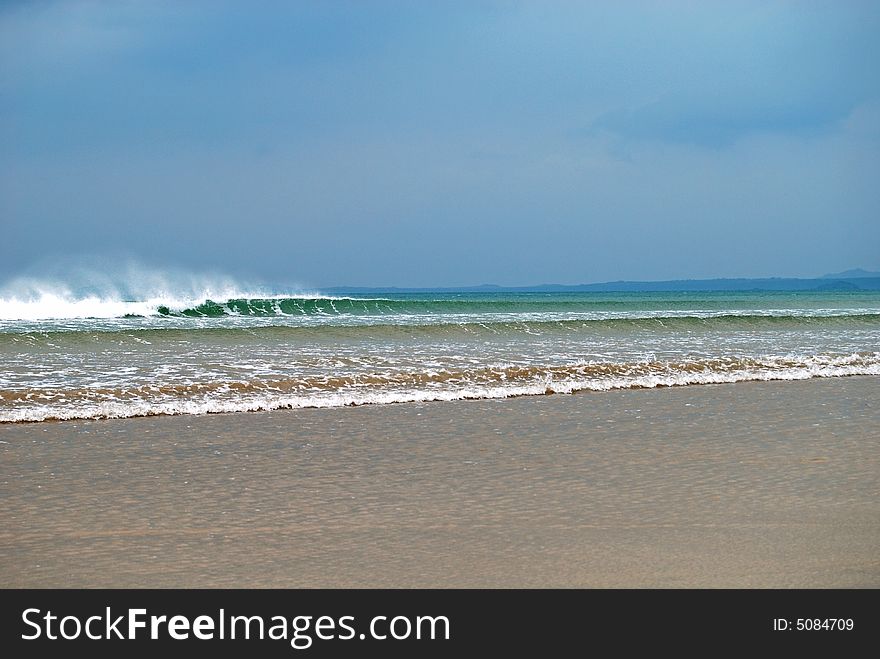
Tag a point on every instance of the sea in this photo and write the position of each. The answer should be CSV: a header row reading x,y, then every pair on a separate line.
x,y
97,357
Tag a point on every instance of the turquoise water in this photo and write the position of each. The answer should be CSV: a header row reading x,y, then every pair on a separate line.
x,y
90,357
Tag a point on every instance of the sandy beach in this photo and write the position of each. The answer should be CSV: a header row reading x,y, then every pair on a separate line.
x,y
771,484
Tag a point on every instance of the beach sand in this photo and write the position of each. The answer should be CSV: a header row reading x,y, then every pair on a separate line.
x,y
771,484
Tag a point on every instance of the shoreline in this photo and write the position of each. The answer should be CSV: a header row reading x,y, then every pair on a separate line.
x,y
549,391
756,484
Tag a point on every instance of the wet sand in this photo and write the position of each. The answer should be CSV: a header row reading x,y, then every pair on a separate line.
x,y
771,484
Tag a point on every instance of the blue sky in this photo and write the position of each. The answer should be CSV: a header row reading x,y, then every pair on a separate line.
x,y
419,144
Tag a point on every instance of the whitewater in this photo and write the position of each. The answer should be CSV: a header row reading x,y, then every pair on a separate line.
x,y
91,354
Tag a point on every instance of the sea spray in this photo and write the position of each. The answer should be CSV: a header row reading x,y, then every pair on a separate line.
x,y
119,290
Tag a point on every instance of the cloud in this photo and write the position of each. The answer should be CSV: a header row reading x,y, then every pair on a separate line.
x,y
721,118
795,70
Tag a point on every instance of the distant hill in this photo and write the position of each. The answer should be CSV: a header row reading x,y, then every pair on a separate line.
x,y
858,273
771,284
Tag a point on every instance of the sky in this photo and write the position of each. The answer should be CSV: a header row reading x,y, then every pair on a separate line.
x,y
410,144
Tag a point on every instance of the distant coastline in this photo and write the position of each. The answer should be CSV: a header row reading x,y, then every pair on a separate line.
x,y
851,280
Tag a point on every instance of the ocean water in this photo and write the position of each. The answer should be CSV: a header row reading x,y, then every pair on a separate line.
x,y
88,357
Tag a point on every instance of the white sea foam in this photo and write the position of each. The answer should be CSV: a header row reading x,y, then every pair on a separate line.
x,y
808,368
129,290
